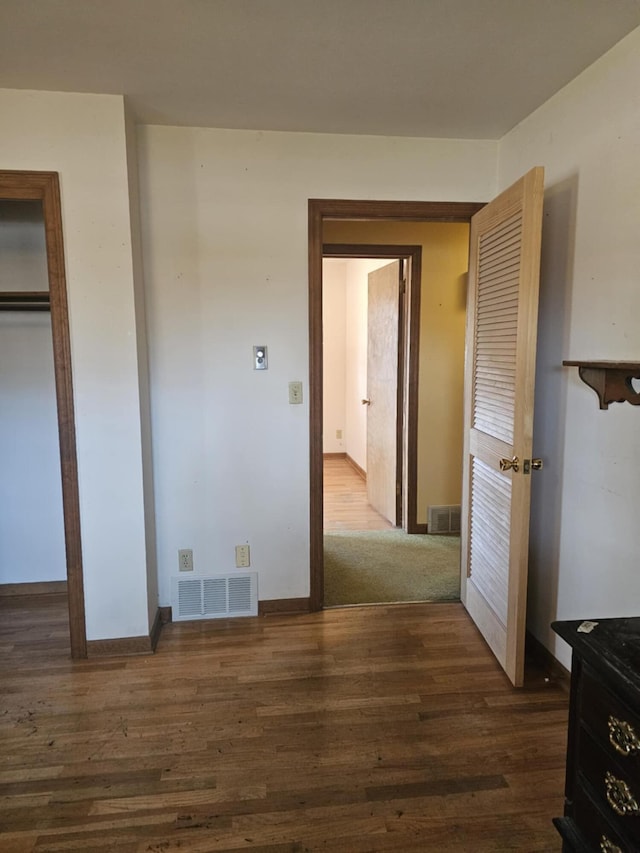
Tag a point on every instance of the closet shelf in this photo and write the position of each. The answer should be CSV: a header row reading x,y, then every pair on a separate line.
x,y
26,300
611,380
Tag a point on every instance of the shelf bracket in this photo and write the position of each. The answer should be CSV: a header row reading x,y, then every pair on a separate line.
x,y
611,380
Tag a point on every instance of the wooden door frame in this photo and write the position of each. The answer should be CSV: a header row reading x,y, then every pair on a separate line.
x,y
320,210
44,186
407,376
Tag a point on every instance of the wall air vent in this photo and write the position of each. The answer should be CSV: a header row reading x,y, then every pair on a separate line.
x,y
443,519
214,596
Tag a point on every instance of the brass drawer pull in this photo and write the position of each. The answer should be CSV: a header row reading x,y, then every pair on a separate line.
x,y
607,846
623,737
619,796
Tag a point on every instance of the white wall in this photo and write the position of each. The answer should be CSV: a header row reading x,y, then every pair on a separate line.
x,y
225,234
83,138
334,295
23,260
585,536
31,521
142,353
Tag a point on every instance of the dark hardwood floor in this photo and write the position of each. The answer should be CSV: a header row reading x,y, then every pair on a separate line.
x,y
362,729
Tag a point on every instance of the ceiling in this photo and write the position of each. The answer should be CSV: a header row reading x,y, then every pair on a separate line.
x,y
434,68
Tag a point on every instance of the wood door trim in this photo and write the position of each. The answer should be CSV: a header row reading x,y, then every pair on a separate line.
x,y
318,211
18,185
409,330
405,292
416,211
278,606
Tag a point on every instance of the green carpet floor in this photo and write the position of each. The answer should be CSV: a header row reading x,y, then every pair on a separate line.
x,y
389,565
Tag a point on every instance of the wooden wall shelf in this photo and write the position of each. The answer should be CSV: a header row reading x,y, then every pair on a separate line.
x,y
611,380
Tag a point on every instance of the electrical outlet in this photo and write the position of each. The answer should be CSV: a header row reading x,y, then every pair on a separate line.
x,y
338,433
242,557
295,392
185,560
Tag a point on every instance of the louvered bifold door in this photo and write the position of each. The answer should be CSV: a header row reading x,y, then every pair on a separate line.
x,y
502,311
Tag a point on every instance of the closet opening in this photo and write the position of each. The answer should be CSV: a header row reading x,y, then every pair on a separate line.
x,y
40,546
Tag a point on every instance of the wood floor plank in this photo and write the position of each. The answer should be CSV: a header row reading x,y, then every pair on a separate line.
x,y
345,501
355,730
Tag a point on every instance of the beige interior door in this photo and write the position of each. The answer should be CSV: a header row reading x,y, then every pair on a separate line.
x,y
502,314
382,389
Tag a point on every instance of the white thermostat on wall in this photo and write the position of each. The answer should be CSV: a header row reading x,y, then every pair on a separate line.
x,y
260,358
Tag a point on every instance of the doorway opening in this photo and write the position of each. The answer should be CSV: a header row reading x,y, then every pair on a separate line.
x,y
371,331
366,344
36,196
321,214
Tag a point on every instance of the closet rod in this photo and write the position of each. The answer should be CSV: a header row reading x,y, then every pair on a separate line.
x,y
27,300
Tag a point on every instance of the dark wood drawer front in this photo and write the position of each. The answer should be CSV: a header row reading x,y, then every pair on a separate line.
x,y
613,724
595,828
602,787
616,792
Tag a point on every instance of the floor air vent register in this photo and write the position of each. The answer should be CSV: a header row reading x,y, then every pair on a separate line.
x,y
443,519
214,596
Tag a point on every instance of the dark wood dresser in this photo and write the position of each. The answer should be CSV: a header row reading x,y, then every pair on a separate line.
x,y
602,805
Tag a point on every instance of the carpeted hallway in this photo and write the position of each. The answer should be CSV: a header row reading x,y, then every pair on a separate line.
x,y
365,567
367,561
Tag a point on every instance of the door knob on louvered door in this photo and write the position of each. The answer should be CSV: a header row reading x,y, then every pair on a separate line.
x,y
366,402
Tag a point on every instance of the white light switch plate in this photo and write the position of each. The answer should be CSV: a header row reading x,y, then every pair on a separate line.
x,y
260,358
